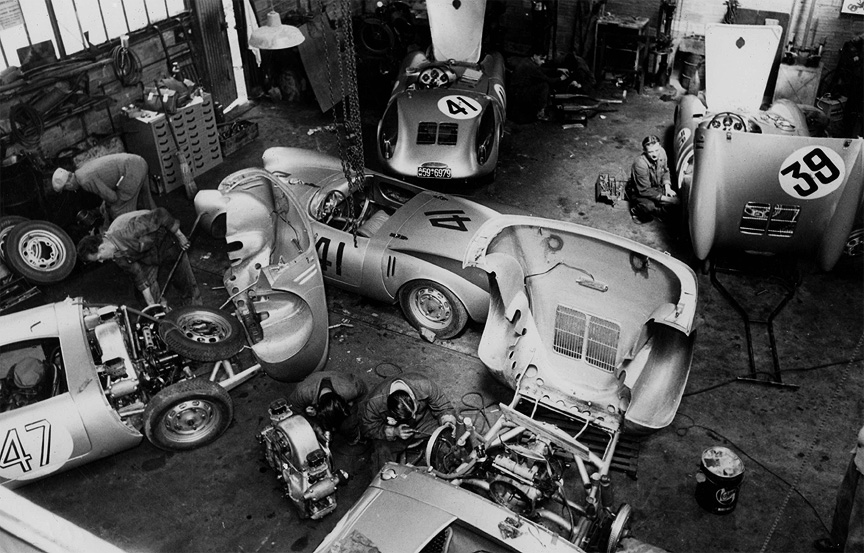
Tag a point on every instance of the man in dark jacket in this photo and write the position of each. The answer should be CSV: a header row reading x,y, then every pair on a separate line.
x,y
331,399
650,186
146,243
402,412
529,87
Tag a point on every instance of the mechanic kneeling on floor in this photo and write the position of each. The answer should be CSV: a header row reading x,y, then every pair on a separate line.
x,y
401,413
146,243
330,400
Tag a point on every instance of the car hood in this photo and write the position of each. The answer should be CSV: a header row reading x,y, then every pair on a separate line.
x,y
404,508
437,226
580,317
738,60
453,26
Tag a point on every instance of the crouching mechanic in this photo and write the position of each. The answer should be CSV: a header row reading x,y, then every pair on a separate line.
x,y
331,399
146,243
401,413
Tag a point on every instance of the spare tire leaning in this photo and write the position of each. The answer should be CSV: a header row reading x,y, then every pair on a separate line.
x,y
40,251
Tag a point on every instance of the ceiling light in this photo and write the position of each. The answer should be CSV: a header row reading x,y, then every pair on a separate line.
x,y
274,35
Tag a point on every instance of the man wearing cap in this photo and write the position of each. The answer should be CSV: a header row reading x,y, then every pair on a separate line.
x,y
331,399
121,180
847,525
402,412
144,243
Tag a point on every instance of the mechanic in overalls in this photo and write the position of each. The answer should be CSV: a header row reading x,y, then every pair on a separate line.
x,y
330,400
649,189
146,243
122,181
400,414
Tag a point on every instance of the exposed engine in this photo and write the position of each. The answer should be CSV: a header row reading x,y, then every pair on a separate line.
x,y
521,464
302,464
132,360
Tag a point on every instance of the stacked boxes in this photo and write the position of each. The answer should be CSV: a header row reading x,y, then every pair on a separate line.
x,y
194,125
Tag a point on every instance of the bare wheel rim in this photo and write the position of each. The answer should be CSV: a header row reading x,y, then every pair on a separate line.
x,y
42,250
620,528
204,328
191,419
431,307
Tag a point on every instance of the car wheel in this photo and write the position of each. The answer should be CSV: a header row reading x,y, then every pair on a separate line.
x,y
6,224
620,528
202,333
188,414
432,306
40,251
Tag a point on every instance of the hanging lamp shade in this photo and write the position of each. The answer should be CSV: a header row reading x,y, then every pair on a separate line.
x,y
274,35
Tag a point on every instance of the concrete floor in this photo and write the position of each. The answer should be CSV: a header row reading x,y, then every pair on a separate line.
x,y
794,441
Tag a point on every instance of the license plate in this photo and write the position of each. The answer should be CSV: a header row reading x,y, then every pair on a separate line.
x,y
434,172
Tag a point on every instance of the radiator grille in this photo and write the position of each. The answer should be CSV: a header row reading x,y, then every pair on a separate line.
x,y
582,336
448,133
445,134
427,133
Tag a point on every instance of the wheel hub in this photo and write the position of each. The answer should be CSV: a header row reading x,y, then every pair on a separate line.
x,y
41,250
204,330
189,416
433,305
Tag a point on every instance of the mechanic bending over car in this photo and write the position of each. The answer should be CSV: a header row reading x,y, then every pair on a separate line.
x,y
122,181
27,382
530,85
146,243
649,189
847,524
401,413
330,400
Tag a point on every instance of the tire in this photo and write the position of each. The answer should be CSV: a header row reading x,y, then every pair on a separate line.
x,y
187,415
40,251
433,306
6,224
202,333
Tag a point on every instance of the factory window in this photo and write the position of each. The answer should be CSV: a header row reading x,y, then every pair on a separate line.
x,y
55,29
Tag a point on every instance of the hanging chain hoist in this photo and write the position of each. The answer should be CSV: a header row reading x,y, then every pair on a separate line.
x,y
349,134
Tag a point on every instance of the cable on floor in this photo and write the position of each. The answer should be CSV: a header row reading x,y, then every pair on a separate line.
x,y
479,407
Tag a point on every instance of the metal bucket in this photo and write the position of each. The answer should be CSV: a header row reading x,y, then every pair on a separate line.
x,y
718,480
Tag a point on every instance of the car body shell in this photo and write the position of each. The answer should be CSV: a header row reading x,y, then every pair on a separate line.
x,y
450,131
593,326
423,236
404,508
773,189
68,429
274,278
446,113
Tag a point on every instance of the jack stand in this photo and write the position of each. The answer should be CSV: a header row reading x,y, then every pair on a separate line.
x,y
790,285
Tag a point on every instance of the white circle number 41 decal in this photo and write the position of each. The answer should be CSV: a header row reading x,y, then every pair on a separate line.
x,y
812,172
459,107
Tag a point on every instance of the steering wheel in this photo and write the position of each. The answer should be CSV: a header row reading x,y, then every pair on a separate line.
x,y
436,76
728,121
336,210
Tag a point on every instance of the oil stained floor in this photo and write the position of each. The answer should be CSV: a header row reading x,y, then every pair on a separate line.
x,y
794,440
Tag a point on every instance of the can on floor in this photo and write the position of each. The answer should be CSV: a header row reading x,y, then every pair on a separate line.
x,y
719,480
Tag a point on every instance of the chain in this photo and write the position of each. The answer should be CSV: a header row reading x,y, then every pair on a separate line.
x,y
349,134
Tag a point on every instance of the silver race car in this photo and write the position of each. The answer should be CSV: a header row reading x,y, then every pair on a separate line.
x,y
407,510
445,118
755,180
389,240
80,382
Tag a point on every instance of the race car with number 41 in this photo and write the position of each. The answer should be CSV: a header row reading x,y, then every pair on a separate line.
x,y
445,117
386,239
756,180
